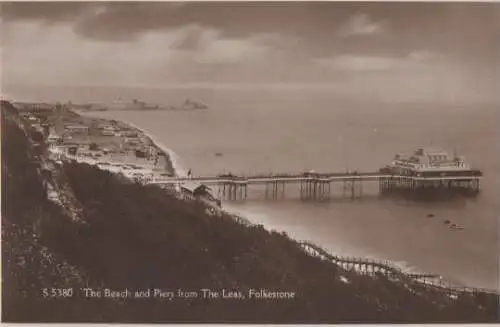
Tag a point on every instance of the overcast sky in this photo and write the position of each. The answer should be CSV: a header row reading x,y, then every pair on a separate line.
x,y
408,49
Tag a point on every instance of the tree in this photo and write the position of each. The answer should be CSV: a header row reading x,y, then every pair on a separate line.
x,y
93,146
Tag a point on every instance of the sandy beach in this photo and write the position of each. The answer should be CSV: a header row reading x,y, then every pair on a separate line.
x,y
177,169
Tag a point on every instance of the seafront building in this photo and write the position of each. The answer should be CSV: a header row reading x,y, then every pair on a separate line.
x,y
197,191
94,141
34,107
109,130
429,160
77,129
430,171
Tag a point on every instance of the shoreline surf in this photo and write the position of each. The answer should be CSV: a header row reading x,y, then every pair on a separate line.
x,y
178,169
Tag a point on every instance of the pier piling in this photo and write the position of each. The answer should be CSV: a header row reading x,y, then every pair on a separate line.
x,y
318,187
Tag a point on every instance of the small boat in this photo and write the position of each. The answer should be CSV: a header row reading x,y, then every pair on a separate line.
x,y
455,226
430,215
218,154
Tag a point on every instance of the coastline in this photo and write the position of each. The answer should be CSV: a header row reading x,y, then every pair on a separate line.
x,y
176,168
179,170
172,158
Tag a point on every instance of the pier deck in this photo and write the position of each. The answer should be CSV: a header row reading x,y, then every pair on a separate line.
x,y
317,186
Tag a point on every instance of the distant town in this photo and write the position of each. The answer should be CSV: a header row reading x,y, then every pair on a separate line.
x,y
107,144
110,144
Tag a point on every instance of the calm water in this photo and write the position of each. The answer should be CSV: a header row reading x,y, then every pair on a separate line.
x,y
297,131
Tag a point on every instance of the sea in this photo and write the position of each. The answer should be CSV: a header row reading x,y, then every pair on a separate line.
x,y
249,131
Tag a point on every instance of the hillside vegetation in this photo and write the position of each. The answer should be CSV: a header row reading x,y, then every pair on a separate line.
x,y
139,237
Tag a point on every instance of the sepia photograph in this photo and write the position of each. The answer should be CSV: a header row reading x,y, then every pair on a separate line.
x,y
250,162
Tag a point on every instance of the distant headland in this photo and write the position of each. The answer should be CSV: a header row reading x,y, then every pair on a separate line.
x,y
135,104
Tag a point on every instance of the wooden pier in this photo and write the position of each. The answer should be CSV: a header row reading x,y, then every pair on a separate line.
x,y
318,187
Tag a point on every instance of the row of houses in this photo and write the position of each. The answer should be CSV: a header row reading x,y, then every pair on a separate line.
x,y
34,107
105,130
37,123
109,129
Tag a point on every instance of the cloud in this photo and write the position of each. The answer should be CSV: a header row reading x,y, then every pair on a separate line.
x,y
57,56
288,42
48,12
119,20
358,62
194,38
278,41
360,25
423,55
321,28
232,51
206,46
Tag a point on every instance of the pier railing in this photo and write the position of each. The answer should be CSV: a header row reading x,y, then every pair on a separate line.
x,y
322,177
314,186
